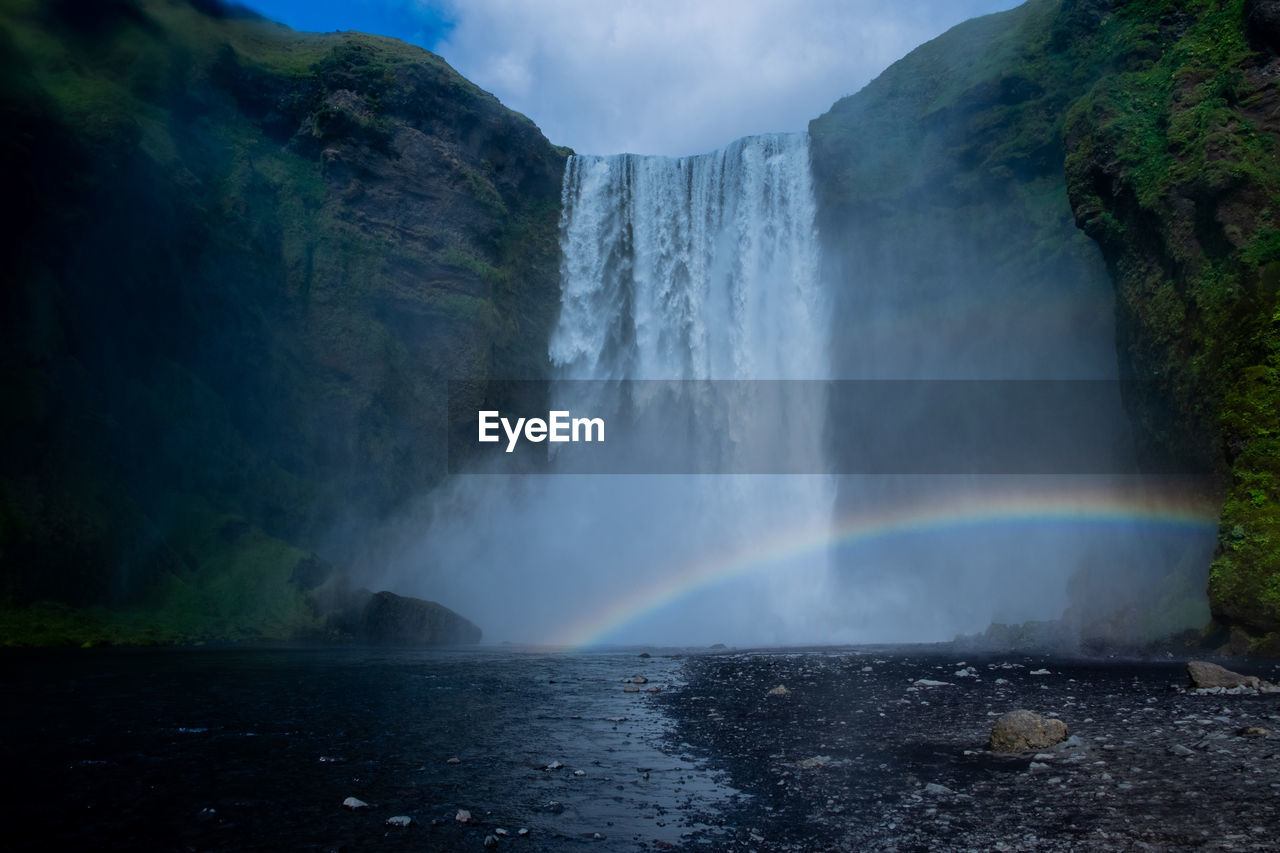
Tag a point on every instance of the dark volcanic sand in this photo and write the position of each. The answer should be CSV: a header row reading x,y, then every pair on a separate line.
x,y
879,741
256,750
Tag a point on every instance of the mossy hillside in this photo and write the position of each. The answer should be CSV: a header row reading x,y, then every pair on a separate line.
x,y
978,139
247,261
1173,167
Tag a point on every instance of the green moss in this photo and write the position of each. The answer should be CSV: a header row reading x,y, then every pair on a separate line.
x,y
257,314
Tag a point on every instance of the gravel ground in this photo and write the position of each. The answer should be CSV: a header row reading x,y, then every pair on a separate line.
x,y
856,755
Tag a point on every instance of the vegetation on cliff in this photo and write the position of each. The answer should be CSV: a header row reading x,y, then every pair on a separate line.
x,y
244,262
1174,168
1158,120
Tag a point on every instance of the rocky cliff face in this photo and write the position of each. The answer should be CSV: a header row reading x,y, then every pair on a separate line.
x,y
243,262
1173,168
1153,126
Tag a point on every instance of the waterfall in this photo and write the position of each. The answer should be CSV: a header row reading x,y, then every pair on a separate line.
x,y
705,268
700,272
692,268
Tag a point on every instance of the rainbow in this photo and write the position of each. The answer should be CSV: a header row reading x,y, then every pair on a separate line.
x,y
1170,506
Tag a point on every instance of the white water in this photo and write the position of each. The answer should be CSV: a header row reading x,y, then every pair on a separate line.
x,y
694,268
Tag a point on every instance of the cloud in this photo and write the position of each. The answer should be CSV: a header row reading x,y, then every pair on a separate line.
x,y
682,76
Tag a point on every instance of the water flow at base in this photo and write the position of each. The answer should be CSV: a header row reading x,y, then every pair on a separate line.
x,y
696,268
708,268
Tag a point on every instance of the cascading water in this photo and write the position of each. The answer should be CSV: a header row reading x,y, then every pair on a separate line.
x,y
696,268
693,268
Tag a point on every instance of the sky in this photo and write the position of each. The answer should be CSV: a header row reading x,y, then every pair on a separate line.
x,y
669,77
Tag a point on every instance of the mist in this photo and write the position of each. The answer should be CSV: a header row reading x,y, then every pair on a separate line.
x,y
710,268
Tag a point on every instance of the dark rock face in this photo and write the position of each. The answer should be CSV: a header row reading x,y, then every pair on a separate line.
x,y
1174,179
399,620
1020,731
246,265
960,145
1165,124
1263,17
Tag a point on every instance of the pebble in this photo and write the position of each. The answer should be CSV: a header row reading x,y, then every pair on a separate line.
x,y
463,816
1179,749
780,690
399,820
933,789
354,803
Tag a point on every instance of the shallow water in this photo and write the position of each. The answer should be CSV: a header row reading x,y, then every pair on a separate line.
x,y
256,750
234,749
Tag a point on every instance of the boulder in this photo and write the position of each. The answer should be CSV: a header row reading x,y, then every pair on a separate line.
x,y
1205,675
393,619
1022,730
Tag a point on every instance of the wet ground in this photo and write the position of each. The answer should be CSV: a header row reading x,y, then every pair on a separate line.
x,y
857,756
239,750
256,750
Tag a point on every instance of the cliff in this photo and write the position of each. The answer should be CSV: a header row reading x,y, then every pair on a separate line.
x,y
1173,169
242,264
1149,125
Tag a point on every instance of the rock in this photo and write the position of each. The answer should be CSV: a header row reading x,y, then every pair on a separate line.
x,y
354,804
1206,676
500,831
639,679
928,682
1039,672
399,820
454,761
631,688
1022,731
933,789
813,763
522,831
717,645
1179,749
393,619
1253,731
463,816
645,655
555,765
780,690
491,841
654,689
555,807
595,836
579,773
1263,19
